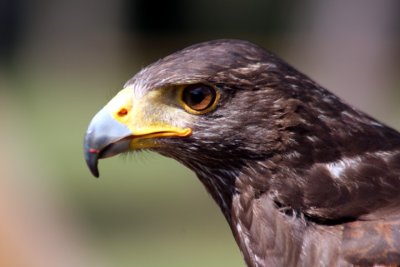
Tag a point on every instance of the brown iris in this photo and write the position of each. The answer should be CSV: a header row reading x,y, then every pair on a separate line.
x,y
199,97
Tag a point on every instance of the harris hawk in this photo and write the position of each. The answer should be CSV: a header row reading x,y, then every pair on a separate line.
x,y
302,178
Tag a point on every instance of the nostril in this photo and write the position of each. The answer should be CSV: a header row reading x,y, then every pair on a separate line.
x,y
122,112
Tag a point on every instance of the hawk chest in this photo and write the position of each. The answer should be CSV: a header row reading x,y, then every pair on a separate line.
x,y
268,237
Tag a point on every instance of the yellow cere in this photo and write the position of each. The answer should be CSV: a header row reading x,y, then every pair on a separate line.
x,y
122,101
140,116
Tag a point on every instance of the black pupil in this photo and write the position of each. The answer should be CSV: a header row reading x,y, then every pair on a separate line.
x,y
198,97
198,94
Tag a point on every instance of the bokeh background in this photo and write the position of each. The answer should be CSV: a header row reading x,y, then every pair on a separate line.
x,y
61,61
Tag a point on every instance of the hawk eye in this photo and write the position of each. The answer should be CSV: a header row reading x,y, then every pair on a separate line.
x,y
199,98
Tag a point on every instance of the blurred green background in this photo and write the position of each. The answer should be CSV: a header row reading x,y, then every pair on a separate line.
x,y
61,61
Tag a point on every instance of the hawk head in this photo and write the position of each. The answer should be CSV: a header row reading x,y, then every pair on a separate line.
x,y
205,106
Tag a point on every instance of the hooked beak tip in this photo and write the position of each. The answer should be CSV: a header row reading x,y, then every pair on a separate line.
x,y
102,139
92,158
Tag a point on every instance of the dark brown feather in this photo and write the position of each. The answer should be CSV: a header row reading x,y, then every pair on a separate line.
x,y
302,178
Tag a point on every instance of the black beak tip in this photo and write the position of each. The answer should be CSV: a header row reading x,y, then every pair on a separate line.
x,y
95,171
91,158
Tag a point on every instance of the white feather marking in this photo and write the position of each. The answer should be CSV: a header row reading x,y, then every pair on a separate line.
x,y
312,138
258,260
293,155
375,123
253,67
289,77
337,168
386,155
246,240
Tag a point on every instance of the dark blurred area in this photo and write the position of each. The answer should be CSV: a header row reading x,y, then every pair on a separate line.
x,y
207,17
11,18
61,61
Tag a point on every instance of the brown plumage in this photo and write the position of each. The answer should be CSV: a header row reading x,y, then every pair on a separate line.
x,y
302,178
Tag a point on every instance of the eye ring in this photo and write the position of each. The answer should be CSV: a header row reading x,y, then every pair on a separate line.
x,y
199,98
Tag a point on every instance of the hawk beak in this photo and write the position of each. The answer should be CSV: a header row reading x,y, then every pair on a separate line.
x,y
121,126
104,138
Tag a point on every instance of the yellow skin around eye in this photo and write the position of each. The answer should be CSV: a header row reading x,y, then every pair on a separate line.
x,y
155,114
149,117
